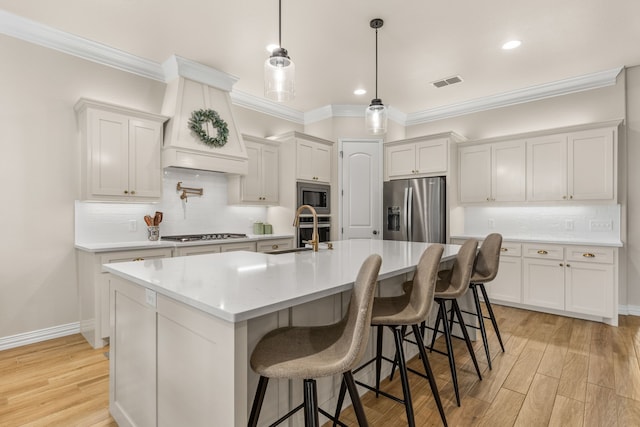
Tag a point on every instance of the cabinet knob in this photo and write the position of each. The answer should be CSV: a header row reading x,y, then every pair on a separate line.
x,y
274,246
503,249
543,252
589,255
126,192
564,197
138,259
571,197
560,264
133,191
568,265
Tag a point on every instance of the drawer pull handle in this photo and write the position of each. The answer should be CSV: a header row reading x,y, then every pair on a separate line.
x,y
542,252
138,259
503,249
589,255
274,246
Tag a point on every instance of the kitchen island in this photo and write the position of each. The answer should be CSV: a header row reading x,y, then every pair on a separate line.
x,y
182,329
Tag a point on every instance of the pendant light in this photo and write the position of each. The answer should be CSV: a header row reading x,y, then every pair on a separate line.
x,y
376,113
279,70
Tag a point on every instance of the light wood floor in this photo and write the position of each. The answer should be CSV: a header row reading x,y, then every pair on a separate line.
x,y
555,371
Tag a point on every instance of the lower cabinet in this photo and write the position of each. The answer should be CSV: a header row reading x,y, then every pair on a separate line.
x,y
507,286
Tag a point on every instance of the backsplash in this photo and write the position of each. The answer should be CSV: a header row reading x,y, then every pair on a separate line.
x,y
209,213
592,223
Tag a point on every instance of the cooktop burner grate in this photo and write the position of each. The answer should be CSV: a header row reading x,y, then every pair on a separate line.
x,y
208,236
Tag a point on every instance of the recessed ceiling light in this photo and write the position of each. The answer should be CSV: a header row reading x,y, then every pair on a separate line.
x,y
272,46
512,44
359,92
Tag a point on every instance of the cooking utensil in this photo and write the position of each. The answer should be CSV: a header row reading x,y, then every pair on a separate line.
x,y
157,218
148,220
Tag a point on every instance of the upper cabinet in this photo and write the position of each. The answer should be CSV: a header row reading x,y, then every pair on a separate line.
x,y
570,164
313,160
260,185
121,152
573,166
492,172
417,157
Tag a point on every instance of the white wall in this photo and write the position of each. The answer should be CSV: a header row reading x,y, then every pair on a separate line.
x,y
633,189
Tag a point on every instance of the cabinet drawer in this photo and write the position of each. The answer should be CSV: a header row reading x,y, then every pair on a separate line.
x,y
240,246
138,255
543,251
590,254
272,245
511,249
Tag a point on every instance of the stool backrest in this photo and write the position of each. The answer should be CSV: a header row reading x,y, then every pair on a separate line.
x,y
488,259
357,321
424,282
463,268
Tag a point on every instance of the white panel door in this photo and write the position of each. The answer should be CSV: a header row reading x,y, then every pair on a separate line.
x,y
145,168
543,282
109,152
400,160
589,288
474,169
591,165
507,286
432,156
508,172
547,168
361,187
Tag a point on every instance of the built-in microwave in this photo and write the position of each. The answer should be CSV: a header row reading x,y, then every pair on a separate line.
x,y
316,195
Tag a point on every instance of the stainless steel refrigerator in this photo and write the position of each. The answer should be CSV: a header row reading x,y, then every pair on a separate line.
x,y
414,210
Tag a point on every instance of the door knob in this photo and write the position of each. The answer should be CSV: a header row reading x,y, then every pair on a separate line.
x,y
375,232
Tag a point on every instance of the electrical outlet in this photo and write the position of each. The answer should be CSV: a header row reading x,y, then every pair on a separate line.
x,y
133,225
150,297
568,224
600,225
491,224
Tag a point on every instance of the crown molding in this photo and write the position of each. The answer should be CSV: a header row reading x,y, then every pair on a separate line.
x,y
265,106
34,32
520,96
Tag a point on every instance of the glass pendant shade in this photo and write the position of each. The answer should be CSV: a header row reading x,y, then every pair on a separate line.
x,y
279,76
376,117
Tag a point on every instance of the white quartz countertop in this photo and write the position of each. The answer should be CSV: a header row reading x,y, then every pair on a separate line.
x,y
146,244
548,240
236,286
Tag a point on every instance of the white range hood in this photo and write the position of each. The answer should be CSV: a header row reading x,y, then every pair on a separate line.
x,y
192,86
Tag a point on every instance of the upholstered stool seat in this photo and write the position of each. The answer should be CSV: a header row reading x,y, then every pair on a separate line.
x,y
397,313
312,352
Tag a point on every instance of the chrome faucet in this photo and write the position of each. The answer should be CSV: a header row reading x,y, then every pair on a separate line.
x,y
314,236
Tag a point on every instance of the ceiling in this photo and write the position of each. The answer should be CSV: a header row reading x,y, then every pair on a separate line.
x,y
333,46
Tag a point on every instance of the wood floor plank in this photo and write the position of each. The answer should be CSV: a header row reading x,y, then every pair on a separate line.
x,y
523,371
628,413
538,404
600,407
573,382
504,409
567,413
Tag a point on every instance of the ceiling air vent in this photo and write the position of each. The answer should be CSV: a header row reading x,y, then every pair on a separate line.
x,y
448,81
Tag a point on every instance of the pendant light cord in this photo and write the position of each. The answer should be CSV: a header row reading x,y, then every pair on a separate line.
x,y
376,63
280,23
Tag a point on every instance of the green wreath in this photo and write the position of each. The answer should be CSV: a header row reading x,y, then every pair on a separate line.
x,y
199,117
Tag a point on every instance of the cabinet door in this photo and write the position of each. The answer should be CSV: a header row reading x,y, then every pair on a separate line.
x,y
272,245
197,250
432,156
508,172
591,165
313,161
109,153
474,168
400,160
543,283
145,168
270,174
547,168
322,163
240,246
252,182
589,288
507,286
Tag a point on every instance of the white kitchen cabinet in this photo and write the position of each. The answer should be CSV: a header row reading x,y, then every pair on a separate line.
x,y
261,185
196,250
572,166
93,288
313,160
238,246
492,172
121,152
574,279
416,157
507,285
273,245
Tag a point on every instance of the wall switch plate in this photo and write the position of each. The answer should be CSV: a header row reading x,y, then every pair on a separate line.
x,y
133,225
600,225
568,224
150,297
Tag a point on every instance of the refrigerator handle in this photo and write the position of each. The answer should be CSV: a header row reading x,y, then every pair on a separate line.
x,y
409,208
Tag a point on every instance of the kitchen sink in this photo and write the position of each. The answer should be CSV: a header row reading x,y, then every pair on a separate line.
x,y
288,251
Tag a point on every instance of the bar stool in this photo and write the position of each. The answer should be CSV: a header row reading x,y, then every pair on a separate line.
x,y
397,313
449,288
313,352
485,270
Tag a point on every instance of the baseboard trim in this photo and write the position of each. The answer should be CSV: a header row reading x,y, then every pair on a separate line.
x,y
25,338
630,310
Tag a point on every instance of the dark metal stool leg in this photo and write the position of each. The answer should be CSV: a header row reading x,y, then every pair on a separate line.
x,y
429,372
343,391
355,399
408,403
437,325
491,315
378,358
257,401
463,326
311,418
452,361
483,332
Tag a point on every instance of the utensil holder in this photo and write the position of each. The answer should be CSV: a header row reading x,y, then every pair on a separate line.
x,y
154,232
258,228
268,229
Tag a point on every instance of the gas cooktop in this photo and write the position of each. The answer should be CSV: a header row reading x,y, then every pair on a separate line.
x,y
196,237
